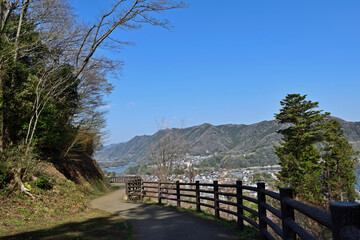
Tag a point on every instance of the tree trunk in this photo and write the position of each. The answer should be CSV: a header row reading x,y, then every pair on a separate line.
x,y
18,31
19,182
1,112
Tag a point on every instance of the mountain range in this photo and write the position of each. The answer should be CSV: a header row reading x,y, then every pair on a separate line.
x,y
231,145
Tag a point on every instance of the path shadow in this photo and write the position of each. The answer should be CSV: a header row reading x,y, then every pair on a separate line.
x,y
167,223
96,228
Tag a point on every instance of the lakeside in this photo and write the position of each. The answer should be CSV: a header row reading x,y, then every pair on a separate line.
x,y
119,169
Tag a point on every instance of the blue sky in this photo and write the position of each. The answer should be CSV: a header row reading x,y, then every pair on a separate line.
x,y
232,61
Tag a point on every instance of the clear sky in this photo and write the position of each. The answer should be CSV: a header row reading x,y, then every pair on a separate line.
x,y
232,61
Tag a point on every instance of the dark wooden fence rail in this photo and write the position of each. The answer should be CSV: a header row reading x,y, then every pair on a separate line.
x,y
133,188
343,221
126,178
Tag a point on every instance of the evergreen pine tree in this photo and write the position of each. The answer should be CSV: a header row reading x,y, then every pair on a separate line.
x,y
316,159
297,153
338,177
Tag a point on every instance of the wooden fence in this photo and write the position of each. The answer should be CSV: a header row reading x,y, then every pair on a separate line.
x,y
133,188
343,219
125,178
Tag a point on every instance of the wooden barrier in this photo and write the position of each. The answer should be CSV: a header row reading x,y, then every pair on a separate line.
x,y
123,179
132,185
133,188
343,219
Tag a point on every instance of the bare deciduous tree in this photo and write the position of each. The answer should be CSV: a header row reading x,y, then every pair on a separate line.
x,y
77,45
89,117
61,42
191,171
167,151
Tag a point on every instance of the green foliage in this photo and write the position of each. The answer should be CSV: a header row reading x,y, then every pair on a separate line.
x,y
212,161
4,177
316,160
260,157
178,171
338,175
297,153
17,84
264,177
132,169
39,90
252,206
44,183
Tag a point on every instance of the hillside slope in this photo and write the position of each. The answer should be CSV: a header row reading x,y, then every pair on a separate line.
x,y
235,144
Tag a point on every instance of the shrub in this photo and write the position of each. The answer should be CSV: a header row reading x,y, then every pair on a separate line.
x,y
4,177
44,183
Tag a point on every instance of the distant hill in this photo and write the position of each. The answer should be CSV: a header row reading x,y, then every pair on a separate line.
x,y
235,145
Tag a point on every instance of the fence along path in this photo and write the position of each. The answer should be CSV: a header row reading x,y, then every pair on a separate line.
x,y
125,178
343,219
153,222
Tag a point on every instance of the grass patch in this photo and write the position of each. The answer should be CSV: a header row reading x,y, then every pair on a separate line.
x,y
60,213
91,224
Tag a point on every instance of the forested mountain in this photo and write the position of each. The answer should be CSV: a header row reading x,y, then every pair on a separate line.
x,y
235,144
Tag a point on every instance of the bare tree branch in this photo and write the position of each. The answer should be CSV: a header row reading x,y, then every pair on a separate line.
x,y
166,152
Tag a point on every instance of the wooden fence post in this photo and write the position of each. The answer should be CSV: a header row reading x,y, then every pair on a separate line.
x,y
261,209
239,202
216,200
178,203
127,189
159,192
141,190
345,218
286,213
198,197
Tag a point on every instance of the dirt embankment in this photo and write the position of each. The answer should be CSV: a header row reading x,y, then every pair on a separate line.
x,y
80,169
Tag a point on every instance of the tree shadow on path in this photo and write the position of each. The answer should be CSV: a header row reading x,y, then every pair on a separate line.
x,y
111,227
167,223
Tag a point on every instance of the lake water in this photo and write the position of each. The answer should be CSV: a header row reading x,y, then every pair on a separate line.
x,y
120,169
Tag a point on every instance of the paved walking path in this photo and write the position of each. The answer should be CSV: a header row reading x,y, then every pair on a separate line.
x,y
156,222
